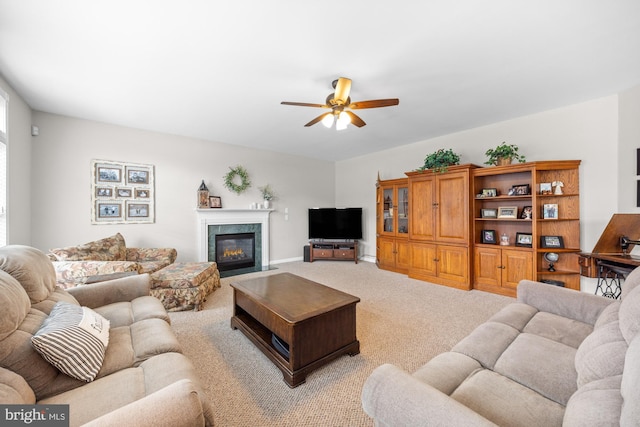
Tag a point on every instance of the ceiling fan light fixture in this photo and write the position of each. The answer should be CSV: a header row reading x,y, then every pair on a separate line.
x,y
343,121
328,120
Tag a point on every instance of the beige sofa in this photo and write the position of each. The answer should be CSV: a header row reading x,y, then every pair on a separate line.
x,y
74,265
142,377
555,357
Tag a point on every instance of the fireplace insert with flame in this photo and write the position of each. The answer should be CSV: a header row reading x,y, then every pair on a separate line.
x,y
235,251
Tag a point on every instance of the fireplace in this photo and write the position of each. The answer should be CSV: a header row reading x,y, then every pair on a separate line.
x,y
235,251
214,222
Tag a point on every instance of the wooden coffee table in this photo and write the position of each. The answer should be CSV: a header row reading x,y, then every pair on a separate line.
x,y
318,323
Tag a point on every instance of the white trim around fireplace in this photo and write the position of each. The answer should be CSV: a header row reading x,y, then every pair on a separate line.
x,y
207,217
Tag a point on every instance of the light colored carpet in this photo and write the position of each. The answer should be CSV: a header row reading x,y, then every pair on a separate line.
x,y
399,320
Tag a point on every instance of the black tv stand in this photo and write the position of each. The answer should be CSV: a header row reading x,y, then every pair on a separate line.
x,y
334,251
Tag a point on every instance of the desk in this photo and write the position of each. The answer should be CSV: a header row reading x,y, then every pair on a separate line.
x,y
610,269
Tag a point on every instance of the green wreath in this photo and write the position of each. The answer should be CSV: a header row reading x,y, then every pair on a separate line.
x,y
229,179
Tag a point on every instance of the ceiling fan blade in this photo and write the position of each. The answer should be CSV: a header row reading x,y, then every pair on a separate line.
x,y
317,119
355,120
374,103
304,104
343,87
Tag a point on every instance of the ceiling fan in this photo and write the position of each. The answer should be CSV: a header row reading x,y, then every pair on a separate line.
x,y
340,103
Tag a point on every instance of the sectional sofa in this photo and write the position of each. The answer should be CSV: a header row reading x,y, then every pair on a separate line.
x,y
107,350
555,357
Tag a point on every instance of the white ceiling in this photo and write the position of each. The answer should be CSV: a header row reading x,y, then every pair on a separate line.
x,y
218,70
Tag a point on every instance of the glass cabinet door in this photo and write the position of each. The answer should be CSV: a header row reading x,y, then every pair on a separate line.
x,y
403,210
387,210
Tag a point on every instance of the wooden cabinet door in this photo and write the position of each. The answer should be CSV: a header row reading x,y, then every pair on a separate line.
x,y
453,263
424,259
421,207
518,265
386,252
487,262
403,255
452,212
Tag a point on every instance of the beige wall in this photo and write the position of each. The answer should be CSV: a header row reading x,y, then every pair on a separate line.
x,y
586,131
61,196
18,168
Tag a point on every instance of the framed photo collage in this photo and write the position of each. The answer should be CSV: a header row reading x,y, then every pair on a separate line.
x,y
122,193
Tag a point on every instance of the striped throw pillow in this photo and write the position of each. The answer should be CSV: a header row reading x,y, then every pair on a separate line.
x,y
74,340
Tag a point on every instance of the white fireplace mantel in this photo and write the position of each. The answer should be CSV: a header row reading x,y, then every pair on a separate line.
x,y
207,217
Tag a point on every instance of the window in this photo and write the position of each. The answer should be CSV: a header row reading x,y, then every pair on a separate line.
x,y
4,114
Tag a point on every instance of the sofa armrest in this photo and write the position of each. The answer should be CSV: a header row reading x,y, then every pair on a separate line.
x,y
73,273
176,405
392,397
111,291
168,255
564,302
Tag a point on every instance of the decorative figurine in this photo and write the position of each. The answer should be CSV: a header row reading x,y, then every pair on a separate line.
x,y
558,185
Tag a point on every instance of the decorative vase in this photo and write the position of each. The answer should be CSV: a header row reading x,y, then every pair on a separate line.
x,y
503,161
267,204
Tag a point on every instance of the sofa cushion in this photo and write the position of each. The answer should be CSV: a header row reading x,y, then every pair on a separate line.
x,y
14,390
111,248
630,314
487,342
596,404
609,314
557,328
447,371
507,403
601,354
543,365
630,387
74,340
32,268
15,305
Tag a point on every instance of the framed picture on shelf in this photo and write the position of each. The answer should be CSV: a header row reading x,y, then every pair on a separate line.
x,y
489,213
551,242
545,188
489,192
520,190
524,239
527,213
550,211
489,236
215,202
508,212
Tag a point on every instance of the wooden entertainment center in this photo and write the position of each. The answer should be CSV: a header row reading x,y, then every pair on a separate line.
x,y
484,228
334,251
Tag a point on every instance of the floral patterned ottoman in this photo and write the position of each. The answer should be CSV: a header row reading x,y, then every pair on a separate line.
x,y
185,285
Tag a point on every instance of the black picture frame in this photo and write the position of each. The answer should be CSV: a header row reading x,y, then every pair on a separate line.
x,y
524,239
551,242
215,202
520,190
489,237
527,212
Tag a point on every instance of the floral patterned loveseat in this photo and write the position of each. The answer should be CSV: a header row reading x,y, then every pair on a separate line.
x,y
74,265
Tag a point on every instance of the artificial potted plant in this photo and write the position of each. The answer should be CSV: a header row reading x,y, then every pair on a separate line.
x,y
503,154
267,194
440,160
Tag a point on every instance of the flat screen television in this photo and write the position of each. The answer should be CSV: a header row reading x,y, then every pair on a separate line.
x,y
335,223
